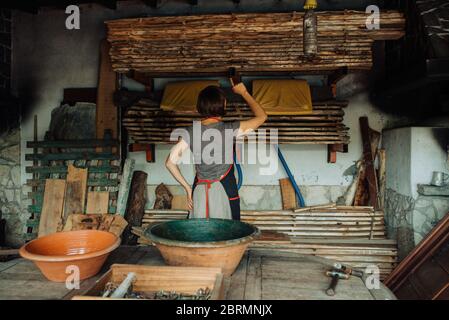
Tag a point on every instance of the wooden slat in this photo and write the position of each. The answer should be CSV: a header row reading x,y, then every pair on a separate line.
x,y
288,194
97,202
52,207
72,143
76,189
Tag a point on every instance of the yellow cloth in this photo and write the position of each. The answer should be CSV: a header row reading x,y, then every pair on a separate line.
x,y
183,95
283,96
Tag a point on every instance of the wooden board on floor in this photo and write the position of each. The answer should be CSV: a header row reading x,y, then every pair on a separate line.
x,y
258,275
52,206
76,189
97,202
288,194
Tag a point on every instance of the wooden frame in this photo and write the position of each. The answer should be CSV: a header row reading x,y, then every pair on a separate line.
x,y
168,278
403,280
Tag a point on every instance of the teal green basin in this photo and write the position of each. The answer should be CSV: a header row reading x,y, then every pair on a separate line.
x,y
202,233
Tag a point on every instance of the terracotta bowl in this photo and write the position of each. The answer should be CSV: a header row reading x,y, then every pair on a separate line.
x,y
86,249
203,242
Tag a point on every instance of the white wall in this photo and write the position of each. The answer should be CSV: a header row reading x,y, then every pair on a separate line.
x,y
398,144
427,155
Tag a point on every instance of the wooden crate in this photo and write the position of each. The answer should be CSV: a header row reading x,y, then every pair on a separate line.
x,y
185,280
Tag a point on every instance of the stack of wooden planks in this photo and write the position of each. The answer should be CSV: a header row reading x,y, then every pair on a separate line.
x,y
350,222
68,205
248,41
147,123
353,235
78,162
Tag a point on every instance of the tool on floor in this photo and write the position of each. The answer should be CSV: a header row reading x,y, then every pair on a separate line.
x,y
348,270
336,276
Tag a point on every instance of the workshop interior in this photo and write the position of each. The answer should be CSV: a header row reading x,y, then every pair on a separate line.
x,y
224,150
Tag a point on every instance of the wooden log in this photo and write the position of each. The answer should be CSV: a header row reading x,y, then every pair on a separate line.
x,y
136,205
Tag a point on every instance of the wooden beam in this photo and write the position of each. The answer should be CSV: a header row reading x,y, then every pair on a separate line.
x,y
106,113
332,150
334,77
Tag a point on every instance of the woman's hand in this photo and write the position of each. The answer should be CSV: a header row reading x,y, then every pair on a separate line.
x,y
189,197
239,89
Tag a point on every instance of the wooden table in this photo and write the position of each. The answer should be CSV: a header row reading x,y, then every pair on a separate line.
x,y
260,275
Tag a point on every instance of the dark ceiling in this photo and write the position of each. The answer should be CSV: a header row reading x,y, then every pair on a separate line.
x,y
34,6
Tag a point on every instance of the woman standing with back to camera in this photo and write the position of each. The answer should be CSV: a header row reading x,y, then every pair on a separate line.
x,y
214,193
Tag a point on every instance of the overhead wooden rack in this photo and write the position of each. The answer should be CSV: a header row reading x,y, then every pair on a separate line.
x,y
250,42
147,123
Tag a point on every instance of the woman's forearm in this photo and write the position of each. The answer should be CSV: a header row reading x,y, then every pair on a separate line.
x,y
176,173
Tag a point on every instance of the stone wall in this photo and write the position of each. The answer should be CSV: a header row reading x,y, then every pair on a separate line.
x,y
5,49
409,220
427,212
399,220
12,194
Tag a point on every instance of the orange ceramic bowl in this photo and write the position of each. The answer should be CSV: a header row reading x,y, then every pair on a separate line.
x,y
85,249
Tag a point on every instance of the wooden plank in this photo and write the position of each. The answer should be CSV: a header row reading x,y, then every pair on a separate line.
x,y
368,158
106,111
179,202
76,189
97,202
253,282
125,185
288,194
52,207
63,169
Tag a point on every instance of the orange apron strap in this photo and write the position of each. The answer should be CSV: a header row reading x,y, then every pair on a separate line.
x,y
208,184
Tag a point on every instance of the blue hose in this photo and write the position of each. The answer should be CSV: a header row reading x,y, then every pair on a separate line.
x,y
239,172
290,176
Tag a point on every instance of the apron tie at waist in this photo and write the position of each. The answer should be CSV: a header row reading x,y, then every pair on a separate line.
x,y
208,183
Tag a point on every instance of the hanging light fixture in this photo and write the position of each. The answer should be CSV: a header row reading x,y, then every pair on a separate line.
x,y
310,29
